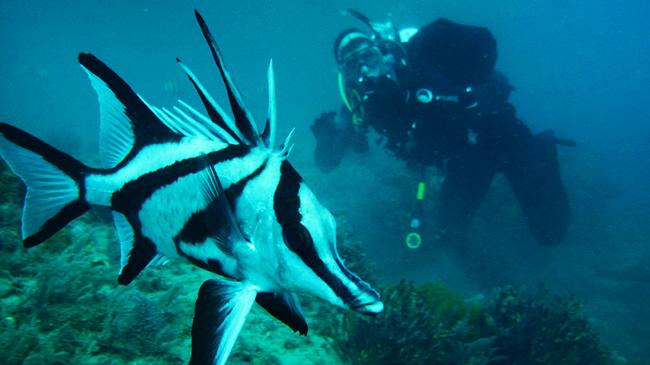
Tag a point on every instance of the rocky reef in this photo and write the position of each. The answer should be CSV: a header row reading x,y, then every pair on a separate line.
x,y
60,304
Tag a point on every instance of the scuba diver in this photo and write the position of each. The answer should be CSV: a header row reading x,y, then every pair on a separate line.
x,y
435,98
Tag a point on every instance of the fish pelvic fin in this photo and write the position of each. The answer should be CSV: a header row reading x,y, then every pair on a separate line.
x,y
54,179
286,308
220,313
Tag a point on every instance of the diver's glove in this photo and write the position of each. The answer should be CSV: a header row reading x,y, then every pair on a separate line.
x,y
324,127
549,137
331,142
359,141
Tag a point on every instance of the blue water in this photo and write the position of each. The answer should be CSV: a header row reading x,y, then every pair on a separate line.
x,y
581,68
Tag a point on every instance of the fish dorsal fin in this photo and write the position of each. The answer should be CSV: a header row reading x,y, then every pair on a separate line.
x,y
220,312
215,112
286,308
126,123
196,125
243,119
271,127
266,134
286,146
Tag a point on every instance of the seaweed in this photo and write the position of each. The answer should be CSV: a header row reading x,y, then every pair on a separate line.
x,y
422,324
541,328
11,188
429,324
61,304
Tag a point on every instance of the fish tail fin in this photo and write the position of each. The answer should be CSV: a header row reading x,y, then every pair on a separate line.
x,y
54,179
221,309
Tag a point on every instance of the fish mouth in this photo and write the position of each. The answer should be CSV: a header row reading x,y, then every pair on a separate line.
x,y
367,303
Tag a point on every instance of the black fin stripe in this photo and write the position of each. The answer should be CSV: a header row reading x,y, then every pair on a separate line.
x,y
141,254
211,221
133,194
147,128
66,215
209,313
61,160
285,308
213,113
244,124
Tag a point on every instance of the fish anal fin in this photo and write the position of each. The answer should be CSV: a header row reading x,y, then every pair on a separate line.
x,y
141,254
286,308
220,313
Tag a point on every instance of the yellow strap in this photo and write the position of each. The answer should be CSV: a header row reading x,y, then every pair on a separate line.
x,y
421,188
342,92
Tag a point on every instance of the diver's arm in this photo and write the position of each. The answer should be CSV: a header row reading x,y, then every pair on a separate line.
x,y
334,134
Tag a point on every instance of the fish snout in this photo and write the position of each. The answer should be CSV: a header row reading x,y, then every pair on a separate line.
x,y
367,303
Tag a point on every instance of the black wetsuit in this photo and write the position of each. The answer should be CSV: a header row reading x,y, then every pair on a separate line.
x,y
444,115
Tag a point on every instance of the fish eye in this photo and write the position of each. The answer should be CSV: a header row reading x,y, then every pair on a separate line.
x,y
297,237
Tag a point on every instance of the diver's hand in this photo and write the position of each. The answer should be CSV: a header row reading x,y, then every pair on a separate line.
x,y
331,142
324,127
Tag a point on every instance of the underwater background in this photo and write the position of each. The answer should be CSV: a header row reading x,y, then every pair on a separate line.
x,y
581,68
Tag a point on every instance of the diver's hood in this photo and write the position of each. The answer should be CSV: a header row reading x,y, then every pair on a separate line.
x,y
363,56
381,31
465,54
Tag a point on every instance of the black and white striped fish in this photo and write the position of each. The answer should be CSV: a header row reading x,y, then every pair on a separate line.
x,y
210,189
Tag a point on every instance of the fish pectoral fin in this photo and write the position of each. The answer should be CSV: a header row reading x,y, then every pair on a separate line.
x,y
286,308
221,309
220,206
